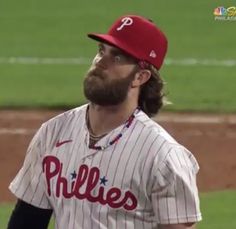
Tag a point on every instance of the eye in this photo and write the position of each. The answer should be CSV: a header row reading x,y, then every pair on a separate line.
x,y
100,50
117,58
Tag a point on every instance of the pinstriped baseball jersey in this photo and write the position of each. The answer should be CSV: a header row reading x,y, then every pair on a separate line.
x,y
144,179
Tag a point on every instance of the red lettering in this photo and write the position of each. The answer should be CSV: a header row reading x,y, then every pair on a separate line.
x,y
48,162
87,180
100,198
62,181
113,195
72,185
134,202
80,181
93,179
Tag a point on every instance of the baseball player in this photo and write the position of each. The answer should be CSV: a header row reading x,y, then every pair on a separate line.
x,y
107,164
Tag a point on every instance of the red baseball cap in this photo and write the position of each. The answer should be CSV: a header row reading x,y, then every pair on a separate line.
x,y
138,37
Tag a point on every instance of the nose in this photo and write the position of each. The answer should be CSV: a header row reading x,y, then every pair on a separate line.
x,y
101,61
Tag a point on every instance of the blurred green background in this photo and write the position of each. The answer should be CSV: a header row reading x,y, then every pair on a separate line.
x,y
32,31
44,54
218,209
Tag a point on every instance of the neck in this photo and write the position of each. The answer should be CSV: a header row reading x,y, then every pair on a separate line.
x,y
103,119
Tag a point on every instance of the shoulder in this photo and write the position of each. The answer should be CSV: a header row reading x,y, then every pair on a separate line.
x,y
165,149
67,118
62,124
151,128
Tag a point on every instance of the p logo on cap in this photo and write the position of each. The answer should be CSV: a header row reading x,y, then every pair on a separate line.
x,y
126,21
137,36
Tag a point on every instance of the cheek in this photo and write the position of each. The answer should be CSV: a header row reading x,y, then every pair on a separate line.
x,y
119,72
95,59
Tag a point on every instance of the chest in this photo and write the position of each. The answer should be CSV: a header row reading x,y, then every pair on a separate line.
x,y
115,177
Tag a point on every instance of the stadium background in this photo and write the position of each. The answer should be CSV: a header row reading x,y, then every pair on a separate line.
x,y
44,54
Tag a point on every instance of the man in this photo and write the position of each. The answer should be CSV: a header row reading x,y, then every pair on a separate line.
x,y
106,164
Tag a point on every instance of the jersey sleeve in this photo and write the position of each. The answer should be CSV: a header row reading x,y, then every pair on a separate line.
x,y
174,192
29,184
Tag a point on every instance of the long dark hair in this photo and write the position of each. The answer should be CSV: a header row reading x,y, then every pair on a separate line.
x,y
151,93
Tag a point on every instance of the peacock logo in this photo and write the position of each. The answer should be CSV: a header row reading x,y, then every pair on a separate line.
x,y
220,11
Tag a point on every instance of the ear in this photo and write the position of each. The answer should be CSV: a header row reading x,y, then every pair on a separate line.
x,y
141,78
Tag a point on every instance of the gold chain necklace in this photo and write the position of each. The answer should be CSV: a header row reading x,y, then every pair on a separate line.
x,y
95,139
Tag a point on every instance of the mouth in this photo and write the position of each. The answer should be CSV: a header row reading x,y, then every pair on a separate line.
x,y
95,72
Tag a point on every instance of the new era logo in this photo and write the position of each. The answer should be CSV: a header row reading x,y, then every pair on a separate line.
x,y
153,54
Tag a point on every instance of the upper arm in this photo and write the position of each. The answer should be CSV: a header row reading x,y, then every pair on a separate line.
x,y
29,183
174,194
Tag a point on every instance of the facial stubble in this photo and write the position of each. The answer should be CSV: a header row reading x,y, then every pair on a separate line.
x,y
101,90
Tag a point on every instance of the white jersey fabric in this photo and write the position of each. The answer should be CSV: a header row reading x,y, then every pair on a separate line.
x,y
143,180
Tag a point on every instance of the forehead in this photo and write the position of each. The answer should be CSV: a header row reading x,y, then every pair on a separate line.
x,y
114,49
108,46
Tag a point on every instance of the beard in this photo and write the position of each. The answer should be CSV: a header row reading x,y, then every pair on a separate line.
x,y
101,90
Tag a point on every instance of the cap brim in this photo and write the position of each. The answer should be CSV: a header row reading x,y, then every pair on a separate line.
x,y
112,41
